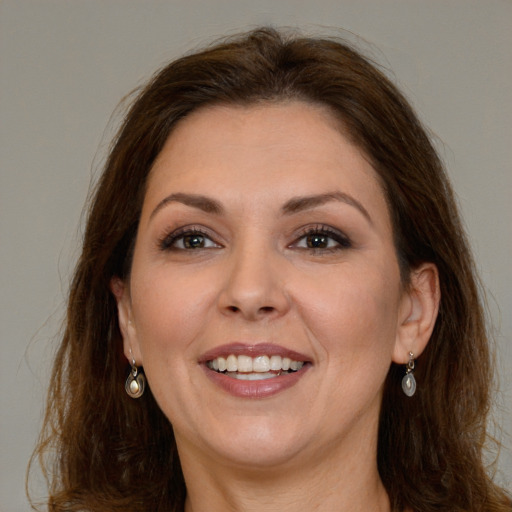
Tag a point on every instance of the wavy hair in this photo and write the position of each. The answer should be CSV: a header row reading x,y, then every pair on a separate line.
x,y
102,451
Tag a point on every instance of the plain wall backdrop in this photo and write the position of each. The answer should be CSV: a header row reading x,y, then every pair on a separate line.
x,y
65,65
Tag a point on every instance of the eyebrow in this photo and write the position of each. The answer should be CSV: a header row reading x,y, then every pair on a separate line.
x,y
299,204
206,204
294,205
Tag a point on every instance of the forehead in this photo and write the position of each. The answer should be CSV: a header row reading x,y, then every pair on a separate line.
x,y
293,148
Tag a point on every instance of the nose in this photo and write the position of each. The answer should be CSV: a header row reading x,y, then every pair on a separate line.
x,y
254,285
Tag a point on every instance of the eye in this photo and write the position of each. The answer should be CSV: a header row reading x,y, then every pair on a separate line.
x,y
322,238
187,239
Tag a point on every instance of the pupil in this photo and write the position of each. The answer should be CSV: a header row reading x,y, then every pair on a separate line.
x,y
317,241
193,241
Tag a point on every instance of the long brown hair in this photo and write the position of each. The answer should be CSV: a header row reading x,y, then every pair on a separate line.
x,y
113,453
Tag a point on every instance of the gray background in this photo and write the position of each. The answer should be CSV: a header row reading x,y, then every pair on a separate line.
x,y
65,65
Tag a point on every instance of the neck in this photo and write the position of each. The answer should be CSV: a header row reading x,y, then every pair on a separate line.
x,y
314,485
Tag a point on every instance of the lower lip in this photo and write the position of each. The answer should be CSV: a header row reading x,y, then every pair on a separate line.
x,y
255,388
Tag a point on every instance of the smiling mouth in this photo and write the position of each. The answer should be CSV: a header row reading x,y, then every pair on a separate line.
x,y
262,367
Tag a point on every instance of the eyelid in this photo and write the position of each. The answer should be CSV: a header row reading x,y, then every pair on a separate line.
x,y
171,236
165,242
343,240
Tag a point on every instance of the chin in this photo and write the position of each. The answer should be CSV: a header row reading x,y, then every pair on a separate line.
x,y
253,443
260,455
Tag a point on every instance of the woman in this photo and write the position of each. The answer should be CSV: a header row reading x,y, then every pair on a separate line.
x,y
275,246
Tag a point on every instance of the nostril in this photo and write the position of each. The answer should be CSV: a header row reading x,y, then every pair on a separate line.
x,y
263,309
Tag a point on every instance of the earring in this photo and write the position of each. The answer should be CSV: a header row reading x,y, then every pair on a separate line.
x,y
136,382
409,382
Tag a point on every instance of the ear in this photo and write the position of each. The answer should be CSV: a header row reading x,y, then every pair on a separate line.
x,y
418,313
131,347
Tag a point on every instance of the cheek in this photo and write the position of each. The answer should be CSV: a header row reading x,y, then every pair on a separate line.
x,y
353,317
169,313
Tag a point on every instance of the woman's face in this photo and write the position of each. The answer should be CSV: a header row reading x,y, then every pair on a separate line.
x,y
265,301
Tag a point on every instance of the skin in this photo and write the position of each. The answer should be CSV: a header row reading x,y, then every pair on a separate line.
x,y
255,279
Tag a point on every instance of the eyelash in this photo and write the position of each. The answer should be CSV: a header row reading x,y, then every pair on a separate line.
x,y
167,243
342,241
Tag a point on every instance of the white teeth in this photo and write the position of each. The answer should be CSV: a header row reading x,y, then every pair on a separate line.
x,y
245,364
276,363
232,363
251,376
259,366
296,365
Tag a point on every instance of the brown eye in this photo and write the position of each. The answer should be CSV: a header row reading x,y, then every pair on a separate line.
x,y
317,241
323,238
194,241
187,240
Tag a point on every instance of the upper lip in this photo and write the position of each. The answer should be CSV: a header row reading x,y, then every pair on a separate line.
x,y
252,349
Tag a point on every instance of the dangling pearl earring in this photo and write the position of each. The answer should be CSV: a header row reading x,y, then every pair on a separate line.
x,y
409,382
136,382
